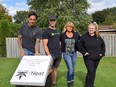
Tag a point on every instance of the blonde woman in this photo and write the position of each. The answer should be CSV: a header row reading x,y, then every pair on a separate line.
x,y
94,50
69,38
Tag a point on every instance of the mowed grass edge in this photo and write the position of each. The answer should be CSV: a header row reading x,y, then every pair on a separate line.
x,y
105,76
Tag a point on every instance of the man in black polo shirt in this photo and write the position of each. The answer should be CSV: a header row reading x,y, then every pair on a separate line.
x,y
51,43
29,36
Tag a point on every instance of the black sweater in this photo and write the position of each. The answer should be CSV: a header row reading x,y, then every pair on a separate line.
x,y
93,45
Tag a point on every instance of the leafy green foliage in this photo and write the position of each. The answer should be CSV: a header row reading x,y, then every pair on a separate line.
x,y
7,29
106,16
3,34
66,10
99,17
4,14
114,26
111,18
20,17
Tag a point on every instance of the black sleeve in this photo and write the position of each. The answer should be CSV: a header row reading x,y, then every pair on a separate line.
x,y
60,36
103,48
77,39
45,35
62,39
81,47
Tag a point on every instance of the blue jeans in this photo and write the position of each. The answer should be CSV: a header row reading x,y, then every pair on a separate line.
x,y
29,53
70,60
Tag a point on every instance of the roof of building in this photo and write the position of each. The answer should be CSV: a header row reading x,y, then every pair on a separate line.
x,y
105,27
108,30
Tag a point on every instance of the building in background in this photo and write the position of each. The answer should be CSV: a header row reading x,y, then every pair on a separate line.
x,y
106,29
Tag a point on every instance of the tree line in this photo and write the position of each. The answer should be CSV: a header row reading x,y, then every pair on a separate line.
x,y
105,17
65,10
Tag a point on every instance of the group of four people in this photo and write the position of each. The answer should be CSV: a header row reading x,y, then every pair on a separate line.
x,y
90,44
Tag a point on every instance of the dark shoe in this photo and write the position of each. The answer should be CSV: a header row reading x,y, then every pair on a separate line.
x,y
70,84
89,86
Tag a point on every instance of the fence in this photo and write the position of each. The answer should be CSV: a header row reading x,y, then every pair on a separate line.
x,y
110,42
12,49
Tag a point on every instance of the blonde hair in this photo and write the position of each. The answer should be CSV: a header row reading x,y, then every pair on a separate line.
x,y
96,28
71,24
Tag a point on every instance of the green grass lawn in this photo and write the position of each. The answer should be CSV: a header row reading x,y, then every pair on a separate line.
x,y
105,77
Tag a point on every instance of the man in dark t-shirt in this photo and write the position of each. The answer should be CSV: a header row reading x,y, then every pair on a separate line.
x,y
29,36
51,43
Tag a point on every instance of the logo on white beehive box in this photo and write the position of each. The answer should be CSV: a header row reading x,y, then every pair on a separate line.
x,y
32,70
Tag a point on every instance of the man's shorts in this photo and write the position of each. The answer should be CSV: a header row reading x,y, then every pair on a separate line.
x,y
56,62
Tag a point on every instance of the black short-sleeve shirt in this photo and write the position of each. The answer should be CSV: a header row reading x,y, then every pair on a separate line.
x,y
53,37
29,36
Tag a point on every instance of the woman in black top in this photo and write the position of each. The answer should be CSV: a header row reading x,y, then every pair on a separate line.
x,y
94,50
68,46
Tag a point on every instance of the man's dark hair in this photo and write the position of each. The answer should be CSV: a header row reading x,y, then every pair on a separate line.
x,y
32,13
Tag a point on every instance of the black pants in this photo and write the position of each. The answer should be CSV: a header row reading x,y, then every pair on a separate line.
x,y
91,66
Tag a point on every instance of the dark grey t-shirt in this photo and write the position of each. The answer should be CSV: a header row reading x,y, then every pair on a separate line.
x,y
29,36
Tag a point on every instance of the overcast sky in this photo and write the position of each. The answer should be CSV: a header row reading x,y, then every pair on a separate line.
x,y
97,5
16,5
